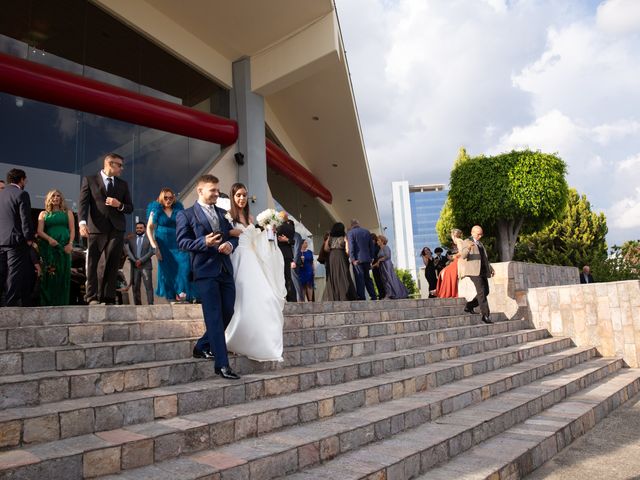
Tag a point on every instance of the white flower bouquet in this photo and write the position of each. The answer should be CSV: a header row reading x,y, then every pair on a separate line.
x,y
269,219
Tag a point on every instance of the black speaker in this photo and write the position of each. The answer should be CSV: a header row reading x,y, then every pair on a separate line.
x,y
239,158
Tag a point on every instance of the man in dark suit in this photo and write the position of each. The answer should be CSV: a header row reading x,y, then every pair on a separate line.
x,y
139,252
360,254
286,241
585,276
203,231
16,236
474,263
104,201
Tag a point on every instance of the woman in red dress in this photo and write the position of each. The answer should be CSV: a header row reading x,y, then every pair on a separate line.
x,y
448,278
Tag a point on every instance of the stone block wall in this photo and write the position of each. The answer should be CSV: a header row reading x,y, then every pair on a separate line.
x,y
603,315
512,280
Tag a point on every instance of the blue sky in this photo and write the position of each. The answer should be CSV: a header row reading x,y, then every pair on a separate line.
x,y
492,75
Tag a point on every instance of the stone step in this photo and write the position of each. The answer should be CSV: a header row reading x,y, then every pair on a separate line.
x,y
109,354
54,421
352,434
415,451
45,387
39,316
20,338
527,445
170,438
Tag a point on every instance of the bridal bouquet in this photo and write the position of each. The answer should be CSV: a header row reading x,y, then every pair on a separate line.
x,y
269,219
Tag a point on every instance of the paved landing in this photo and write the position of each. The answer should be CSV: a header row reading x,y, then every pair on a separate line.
x,y
610,451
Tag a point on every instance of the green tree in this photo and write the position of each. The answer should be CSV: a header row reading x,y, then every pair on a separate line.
x,y
576,238
623,263
507,192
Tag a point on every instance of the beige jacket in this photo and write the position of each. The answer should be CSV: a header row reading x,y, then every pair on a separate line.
x,y
470,261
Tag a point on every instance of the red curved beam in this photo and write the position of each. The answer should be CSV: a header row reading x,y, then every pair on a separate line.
x,y
45,84
279,160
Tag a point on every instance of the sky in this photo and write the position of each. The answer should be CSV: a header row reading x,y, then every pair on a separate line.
x,y
560,76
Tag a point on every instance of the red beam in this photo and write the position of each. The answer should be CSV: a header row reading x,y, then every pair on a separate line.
x,y
45,84
279,160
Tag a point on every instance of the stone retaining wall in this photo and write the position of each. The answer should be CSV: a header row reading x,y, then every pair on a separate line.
x,y
603,315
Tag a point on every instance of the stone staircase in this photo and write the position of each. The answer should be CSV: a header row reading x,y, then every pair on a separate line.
x,y
377,390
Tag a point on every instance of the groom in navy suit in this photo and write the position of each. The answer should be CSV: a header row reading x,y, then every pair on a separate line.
x,y
203,231
361,254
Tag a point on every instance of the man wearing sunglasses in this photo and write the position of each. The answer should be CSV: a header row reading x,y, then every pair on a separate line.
x,y
104,201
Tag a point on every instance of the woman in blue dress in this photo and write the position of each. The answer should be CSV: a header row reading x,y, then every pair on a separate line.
x,y
173,264
305,270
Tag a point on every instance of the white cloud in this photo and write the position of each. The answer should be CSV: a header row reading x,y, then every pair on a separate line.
x,y
625,214
430,76
619,16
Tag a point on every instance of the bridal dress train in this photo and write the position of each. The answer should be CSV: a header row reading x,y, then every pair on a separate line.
x,y
256,327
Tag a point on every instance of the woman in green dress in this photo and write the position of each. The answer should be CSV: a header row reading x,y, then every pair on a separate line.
x,y
56,232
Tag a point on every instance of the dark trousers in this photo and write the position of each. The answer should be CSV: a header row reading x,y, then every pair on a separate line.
x,y
377,277
482,289
139,276
292,296
217,296
18,275
110,245
363,279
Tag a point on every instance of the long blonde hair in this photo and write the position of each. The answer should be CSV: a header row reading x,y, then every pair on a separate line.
x,y
48,207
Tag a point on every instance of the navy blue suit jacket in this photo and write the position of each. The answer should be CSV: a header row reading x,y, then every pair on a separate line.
x,y
360,244
191,228
16,227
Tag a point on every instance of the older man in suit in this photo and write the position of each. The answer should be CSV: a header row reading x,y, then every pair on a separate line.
x,y
16,236
139,252
585,275
361,254
474,263
104,201
203,231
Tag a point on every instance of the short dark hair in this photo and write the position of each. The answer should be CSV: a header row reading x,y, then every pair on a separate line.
x,y
207,178
15,175
438,250
113,156
141,223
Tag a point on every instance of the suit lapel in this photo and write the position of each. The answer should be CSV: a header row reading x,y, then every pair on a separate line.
x,y
101,186
201,217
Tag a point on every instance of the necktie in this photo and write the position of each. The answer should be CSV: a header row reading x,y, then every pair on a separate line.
x,y
213,218
139,247
110,190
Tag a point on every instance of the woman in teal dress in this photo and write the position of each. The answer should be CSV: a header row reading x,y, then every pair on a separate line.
x,y
173,264
56,232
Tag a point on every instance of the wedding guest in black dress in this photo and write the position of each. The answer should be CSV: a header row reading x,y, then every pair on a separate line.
x,y
339,284
429,271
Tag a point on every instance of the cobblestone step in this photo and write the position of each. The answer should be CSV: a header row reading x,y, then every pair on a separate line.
x,y
526,446
44,387
63,419
20,338
404,407
416,451
108,354
353,434
298,312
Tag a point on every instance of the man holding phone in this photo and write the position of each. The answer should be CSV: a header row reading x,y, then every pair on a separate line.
x,y
203,231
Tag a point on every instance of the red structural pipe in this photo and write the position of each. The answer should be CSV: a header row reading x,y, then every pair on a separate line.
x,y
279,160
46,84
40,82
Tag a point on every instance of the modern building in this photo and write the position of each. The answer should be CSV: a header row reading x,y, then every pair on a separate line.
x,y
416,209
248,90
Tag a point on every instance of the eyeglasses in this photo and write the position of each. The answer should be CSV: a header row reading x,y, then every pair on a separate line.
x,y
117,164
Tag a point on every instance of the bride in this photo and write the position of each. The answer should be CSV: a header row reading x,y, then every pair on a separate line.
x,y
256,327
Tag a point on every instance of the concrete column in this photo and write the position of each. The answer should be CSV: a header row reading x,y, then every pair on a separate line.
x,y
248,108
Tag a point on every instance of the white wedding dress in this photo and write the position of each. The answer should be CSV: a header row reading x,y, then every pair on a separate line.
x,y
256,327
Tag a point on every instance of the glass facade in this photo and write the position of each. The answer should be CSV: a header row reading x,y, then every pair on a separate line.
x,y
425,212
76,36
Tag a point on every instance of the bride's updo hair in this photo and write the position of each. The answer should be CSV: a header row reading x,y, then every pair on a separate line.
x,y
235,211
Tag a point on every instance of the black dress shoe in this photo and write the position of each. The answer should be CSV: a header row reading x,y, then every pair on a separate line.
x,y
486,319
197,353
226,372
470,310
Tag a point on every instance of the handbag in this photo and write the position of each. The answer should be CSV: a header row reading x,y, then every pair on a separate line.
x,y
466,289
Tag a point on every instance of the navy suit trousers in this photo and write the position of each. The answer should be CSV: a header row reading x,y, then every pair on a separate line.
x,y
218,296
363,279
